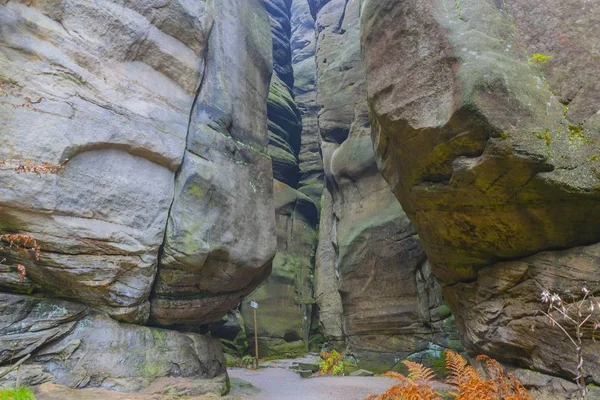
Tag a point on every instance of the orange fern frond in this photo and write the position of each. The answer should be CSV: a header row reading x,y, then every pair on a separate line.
x,y
409,392
459,371
468,383
418,372
492,367
478,390
397,376
519,391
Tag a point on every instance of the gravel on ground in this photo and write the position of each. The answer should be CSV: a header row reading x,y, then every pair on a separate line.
x,y
285,384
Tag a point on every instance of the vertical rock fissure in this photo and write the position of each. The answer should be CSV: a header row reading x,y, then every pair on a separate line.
x,y
189,127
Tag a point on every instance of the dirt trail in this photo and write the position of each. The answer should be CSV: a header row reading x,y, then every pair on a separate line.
x,y
284,384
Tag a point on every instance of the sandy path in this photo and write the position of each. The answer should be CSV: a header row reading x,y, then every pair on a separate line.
x,y
283,384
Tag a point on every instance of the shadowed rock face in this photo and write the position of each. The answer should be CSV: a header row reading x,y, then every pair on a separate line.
x,y
285,123
163,212
303,42
285,299
372,284
493,156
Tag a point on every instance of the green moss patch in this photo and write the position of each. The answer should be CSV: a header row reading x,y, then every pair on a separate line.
x,y
21,393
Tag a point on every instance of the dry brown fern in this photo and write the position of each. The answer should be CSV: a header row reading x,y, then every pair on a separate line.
x,y
20,242
459,371
506,386
468,383
418,372
415,386
27,166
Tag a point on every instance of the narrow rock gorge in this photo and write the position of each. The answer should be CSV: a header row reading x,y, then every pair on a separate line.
x,y
385,178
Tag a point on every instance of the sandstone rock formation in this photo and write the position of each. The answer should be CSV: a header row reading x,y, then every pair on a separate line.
x,y
374,292
493,155
285,124
163,212
285,299
77,347
303,42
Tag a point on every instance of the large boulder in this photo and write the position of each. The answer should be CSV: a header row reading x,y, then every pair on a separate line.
x,y
162,212
371,266
78,348
217,251
114,108
491,149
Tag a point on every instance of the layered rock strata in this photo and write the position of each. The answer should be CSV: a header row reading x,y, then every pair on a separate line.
x,y
162,212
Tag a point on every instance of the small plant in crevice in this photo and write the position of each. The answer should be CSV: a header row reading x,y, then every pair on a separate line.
x,y
18,242
464,380
539,59
43,168
332,363
246,361
578,319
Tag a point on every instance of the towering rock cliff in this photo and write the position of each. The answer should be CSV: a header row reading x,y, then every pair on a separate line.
x,y
492,149
375,293
286,299
163,212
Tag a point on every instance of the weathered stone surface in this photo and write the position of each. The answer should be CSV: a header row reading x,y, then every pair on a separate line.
x,y
285,126
116,107
303,42
215,251
279,15
326,285
107,88
361,372
546,387
27,324
78,349
163,212
286,298
316,5
285,123
368,249
286,302
497,311
492,155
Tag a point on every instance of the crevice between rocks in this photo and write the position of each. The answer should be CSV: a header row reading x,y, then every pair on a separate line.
x,y
177,173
